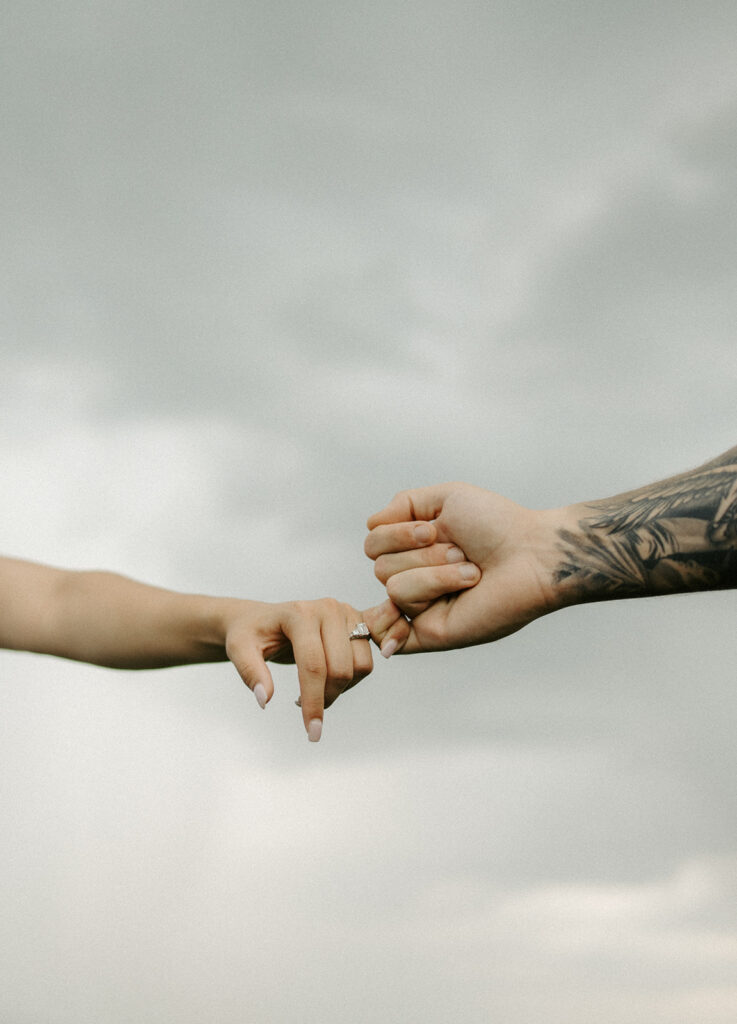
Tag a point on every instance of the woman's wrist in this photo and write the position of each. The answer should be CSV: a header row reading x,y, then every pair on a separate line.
x,y
208,622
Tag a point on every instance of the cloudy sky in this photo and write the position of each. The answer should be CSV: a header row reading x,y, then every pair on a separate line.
x,y
262,266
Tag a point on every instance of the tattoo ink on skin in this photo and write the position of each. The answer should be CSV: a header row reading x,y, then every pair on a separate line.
x,y
675,536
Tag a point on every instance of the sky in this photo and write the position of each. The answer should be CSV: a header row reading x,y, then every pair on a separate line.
x,y
263,266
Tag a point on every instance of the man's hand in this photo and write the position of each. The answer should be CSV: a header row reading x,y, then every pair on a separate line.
x,y
466,566
675,536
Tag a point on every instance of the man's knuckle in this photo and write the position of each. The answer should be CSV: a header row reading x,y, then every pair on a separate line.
x,y
381,569
435,633
394,589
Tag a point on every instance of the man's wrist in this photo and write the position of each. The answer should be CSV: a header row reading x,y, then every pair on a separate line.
x,y
644,543
560,557
593,562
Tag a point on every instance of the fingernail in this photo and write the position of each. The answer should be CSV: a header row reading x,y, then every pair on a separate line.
x,y
314,730
469,572
388,648
423,533
260,694
455,555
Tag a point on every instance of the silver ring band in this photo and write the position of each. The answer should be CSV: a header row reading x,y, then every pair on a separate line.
x,y
360,632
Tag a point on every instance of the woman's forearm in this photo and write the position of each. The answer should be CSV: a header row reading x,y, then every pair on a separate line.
x,y
111,620
105,619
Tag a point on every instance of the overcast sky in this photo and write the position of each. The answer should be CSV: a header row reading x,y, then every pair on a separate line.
x,y
263,265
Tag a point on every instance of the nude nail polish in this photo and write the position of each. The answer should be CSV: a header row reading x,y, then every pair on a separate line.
x,y
314,730
388,648
260,694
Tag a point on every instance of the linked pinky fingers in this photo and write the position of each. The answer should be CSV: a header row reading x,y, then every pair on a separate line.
x,y
395,639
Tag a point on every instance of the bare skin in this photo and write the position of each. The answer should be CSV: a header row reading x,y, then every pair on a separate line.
x,y
113,621
674,536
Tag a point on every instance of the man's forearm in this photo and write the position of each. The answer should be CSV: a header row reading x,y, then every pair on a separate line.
x,y
677,535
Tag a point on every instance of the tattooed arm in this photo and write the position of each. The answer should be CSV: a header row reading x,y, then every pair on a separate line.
x,y
674,536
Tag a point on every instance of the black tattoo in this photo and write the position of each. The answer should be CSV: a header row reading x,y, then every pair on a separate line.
x,y
676,535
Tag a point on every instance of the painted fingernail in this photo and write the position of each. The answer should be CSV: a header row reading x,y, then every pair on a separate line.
x,y
423,533
469,572
314,730
455,555
389,647
260,694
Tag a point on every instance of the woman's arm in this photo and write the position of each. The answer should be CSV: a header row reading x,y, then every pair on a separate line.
x,y
110,620
104,618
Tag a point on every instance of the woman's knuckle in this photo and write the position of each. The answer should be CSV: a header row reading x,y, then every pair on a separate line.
x,y
297,608
313,666
363,665
342,675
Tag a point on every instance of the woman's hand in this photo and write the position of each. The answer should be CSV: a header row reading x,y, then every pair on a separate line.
x,y
106,619
314,635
